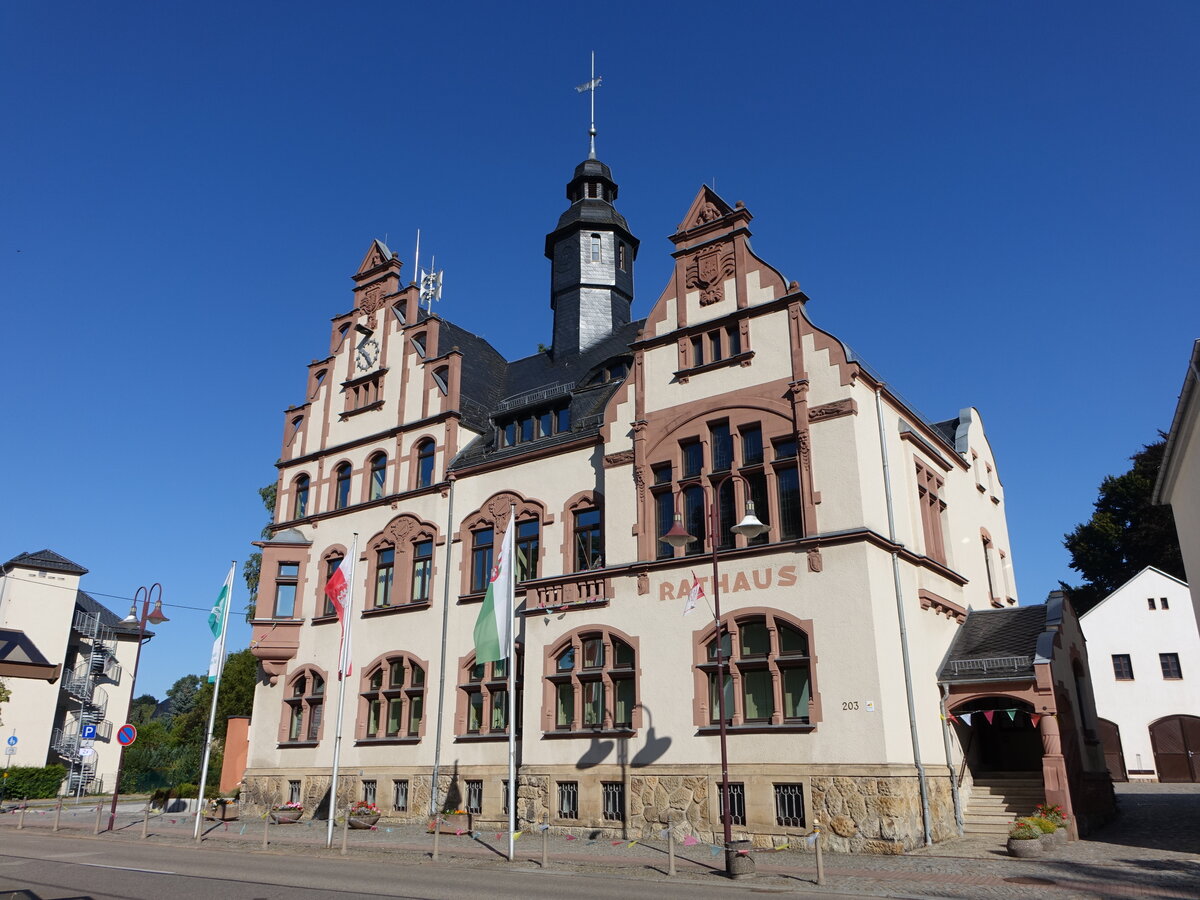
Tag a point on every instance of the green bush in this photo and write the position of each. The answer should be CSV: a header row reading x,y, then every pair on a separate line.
x,y
1024,830
34,783
1045,826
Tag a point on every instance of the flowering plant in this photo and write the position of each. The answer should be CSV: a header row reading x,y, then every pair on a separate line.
x,y
1024,830
218,802
291,804
362,807
1053,812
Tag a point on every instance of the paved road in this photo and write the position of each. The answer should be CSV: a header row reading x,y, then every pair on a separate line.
x,y
55,867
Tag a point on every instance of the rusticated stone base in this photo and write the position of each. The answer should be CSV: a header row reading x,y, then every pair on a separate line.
x,y
863,814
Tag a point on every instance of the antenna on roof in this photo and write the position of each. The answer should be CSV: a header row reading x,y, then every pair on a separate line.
x,y
431,286
590,88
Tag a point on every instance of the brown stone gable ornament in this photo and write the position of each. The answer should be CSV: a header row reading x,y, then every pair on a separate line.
x,y
707,271
371,303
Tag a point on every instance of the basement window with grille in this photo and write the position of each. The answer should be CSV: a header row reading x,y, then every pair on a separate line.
x,y
568,799
789,805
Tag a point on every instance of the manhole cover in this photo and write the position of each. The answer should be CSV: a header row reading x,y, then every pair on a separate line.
x,y
1029,879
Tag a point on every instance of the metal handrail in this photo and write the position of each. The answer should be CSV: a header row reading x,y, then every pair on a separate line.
x,y
990,663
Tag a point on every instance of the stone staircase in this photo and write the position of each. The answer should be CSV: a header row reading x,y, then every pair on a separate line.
x,y
999,797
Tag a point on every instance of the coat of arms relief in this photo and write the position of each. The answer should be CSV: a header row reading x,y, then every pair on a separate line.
x,y
707,271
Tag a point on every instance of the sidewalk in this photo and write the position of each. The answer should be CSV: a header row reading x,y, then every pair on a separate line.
x,y
1136,857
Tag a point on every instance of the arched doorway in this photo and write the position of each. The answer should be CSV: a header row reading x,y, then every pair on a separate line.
x,y
997,735
1114,754
1176,743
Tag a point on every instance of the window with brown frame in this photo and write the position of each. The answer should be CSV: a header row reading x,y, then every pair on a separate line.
x,y
768,672
300,497
486,704
933,509
593,679
425,459
392,701
332,564
341,489
286,581
378,481
303,706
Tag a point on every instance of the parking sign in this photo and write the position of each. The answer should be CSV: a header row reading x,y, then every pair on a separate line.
x,y
88,733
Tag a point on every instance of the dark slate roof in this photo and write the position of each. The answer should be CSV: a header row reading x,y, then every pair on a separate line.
x,y
16,647
481,381
545,379
92,606
48,560
947,429
990,635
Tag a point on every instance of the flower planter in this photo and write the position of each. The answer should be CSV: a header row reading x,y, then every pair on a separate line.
x,y
366,820
225,812
286,816
454,823
1060,837
1024,849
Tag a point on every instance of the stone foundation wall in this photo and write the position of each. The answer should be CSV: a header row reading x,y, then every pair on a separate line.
x,y
879,815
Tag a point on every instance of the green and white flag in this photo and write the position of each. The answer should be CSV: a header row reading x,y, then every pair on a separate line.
x,y
494,625
218,618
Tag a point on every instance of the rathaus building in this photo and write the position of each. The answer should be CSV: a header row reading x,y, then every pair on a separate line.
x,y
886,532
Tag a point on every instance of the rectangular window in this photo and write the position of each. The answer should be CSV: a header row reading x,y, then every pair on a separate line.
x,y
509,435
623,701
726,515
527,549
400,794
737,802
568,799
527,428
1122,667
714,701
422,569
593,704
1150,602
758,697
296,723
785,448
564,706
386,560
714,346
662,473
595,241
474,712
664,503
546,424
416,704
613,800
589,544
722,446
789,805
693,459
327,608
1170,665
562,419
787,485
757,484
1163,603
752,445
621,257
499,710
293,792
796,692
372,717
734,332
481,559
369,792
697,351
474,796
395,716
285,590
315,708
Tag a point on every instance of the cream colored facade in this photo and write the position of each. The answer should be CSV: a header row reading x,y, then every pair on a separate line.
x,y
90,652
819,729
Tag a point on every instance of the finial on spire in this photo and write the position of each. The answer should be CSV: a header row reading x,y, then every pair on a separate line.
x,y
590,87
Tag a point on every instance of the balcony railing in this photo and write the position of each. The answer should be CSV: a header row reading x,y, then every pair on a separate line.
x,y
583,587
991,664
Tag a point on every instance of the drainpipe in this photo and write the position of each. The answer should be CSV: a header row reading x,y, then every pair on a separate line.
x,y
908,689
434,798
958,813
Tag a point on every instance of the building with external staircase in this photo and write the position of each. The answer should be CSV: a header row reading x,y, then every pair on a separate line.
x,y
66,659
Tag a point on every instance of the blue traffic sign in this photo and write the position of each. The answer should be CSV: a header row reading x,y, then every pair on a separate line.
x,y
12,740
88,732
126,735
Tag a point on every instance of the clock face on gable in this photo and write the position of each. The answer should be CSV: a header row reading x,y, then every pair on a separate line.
x,y
367,354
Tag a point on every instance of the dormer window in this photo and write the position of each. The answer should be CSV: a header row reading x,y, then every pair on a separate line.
x,y
534,425
419,343
595,248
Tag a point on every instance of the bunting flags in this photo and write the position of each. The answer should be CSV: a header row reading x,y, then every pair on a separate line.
x,y
990,716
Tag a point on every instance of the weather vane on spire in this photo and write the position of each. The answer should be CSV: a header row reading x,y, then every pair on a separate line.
x,y
590,88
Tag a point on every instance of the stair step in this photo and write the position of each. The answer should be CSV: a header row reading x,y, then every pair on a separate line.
x,y
981,819
985,829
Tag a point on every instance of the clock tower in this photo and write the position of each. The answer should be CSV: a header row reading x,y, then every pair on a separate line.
x,y
591,254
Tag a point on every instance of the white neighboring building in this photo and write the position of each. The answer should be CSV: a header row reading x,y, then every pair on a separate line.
x,y
1143,649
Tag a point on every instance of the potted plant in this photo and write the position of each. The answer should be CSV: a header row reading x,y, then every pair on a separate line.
x,y
1055,814
363,814
288,813
449,825
223,809
1024,839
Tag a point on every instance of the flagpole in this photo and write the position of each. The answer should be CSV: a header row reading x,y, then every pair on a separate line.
x,y
435,795
212,713
343,660
511,600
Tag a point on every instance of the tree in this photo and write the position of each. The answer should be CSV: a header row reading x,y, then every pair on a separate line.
x,y
142,709
1126,533
238,679
253,567
183,694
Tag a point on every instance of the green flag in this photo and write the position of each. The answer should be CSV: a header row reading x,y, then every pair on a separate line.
x,y
217,619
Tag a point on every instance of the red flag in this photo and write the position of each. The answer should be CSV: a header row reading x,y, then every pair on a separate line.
x,y
988,715
337,591
1034,718
693,596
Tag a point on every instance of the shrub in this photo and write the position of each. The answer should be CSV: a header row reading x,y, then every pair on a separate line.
x,y
1024,830
34,783
363,808
1045,826
1053,812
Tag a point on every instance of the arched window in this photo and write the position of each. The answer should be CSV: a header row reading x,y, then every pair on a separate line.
x,y
484,706
400,565
768,672
341,490
591,683
392,699
425,463
303,705
332,561
595,248
378,483
300,497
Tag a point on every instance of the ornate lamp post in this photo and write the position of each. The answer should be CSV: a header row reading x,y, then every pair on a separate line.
x,y
749,527
154,617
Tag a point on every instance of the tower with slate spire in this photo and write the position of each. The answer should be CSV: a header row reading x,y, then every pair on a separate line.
x,y
591,256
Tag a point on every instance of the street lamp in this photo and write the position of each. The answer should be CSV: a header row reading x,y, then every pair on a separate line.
x,y
154,617
749,527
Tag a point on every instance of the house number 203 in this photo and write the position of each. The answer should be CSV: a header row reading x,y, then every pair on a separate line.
x,y
851,705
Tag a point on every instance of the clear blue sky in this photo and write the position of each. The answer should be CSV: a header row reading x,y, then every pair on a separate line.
x,y
994,204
